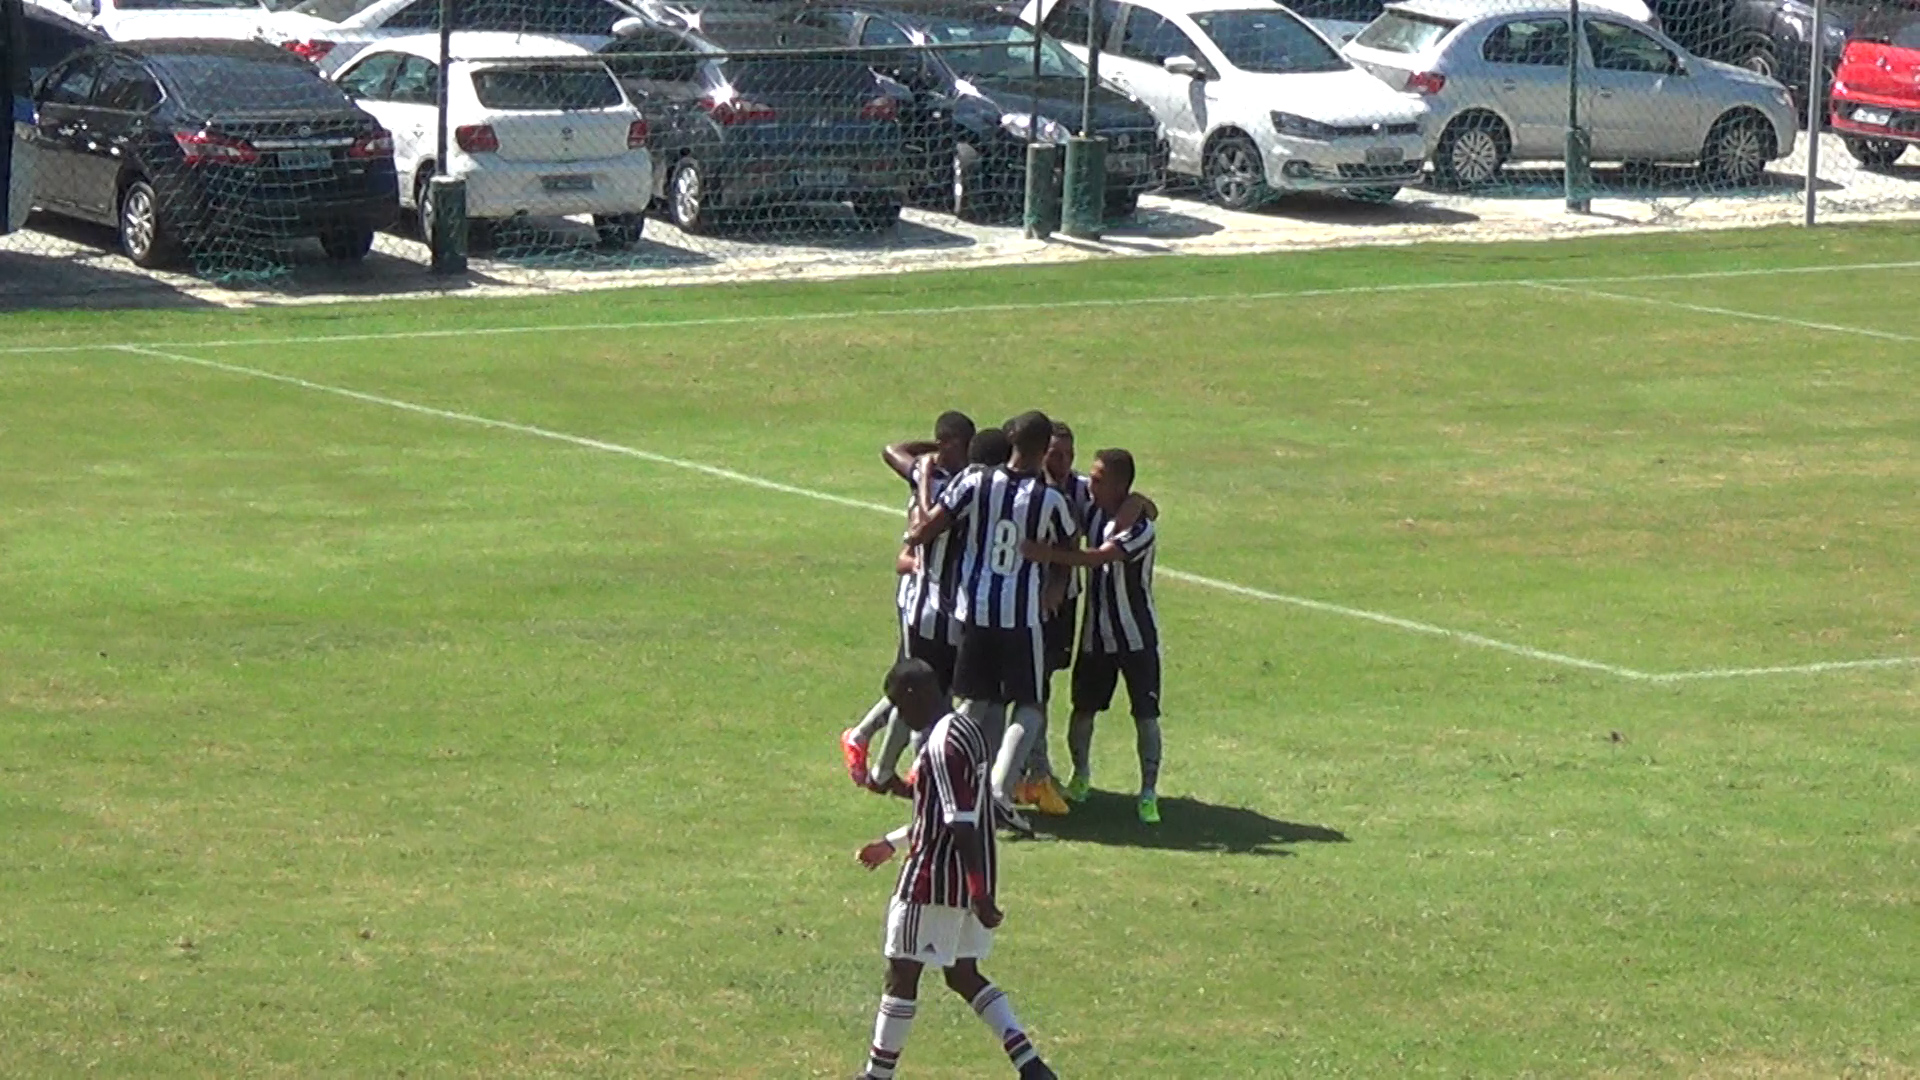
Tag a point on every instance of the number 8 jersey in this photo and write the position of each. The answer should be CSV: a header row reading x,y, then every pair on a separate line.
x,y
994,510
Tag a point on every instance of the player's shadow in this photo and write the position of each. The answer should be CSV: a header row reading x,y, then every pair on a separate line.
x,y
1185,825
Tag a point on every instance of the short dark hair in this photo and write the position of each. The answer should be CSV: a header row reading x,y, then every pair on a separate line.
x,y
953,425
1062,431
1031,432
989,447
1119,464
908,671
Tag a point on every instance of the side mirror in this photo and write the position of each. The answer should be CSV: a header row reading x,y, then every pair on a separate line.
x,y
622,28
1184,65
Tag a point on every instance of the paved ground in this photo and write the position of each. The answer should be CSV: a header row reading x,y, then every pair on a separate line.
x,y
63,264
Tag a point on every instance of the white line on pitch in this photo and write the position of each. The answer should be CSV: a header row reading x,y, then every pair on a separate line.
x,y
1463,636
969,309
1731,313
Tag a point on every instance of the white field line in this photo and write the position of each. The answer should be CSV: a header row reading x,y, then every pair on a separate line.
x,y
965,309
1730,313
1462,636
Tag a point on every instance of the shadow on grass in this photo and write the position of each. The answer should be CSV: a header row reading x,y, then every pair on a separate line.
x,y
1185,825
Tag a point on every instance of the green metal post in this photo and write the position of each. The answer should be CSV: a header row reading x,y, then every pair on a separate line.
x,y
1579,146
448,196
1043,190
1084,214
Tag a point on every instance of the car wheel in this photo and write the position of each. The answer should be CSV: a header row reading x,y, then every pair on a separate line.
x,y
1379,196
1876,153
1471,151
423,204
687,197
347,245
1737,150
969,199
618,230
877,216
1758,57
143,233
1234,175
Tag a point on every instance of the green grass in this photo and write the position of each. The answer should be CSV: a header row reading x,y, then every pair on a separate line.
x,y
343,741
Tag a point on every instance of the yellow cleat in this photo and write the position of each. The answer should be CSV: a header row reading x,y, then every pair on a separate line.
x,y
1047,799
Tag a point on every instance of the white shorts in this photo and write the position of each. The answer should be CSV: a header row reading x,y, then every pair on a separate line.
x,y
934,934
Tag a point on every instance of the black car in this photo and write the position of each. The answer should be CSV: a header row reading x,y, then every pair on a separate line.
x,y
51,38
748,114
970,69
182,144
1770,37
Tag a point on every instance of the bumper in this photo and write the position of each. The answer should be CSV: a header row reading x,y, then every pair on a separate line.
x,y
503,189
196,215
1345,164
771,183
1902,123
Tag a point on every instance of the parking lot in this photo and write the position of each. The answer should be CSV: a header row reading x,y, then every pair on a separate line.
x,y
57,263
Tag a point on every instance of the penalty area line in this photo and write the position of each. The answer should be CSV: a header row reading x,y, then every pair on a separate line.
x,y
719,473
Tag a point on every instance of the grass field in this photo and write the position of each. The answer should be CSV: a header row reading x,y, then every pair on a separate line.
x,y
343,737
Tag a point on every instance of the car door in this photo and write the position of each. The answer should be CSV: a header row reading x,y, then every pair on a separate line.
x,y
1523,74
1179,102
413,100
926,120
123,100
661,75
60,134
369,82
1642,106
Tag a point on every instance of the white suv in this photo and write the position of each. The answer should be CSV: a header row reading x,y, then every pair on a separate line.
x,y
1253,100
531,133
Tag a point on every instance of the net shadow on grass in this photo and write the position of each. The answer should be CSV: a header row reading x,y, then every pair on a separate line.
x,y
1185,825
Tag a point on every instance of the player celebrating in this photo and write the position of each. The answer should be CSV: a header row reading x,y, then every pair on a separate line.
x,y
927,577
1001,663
943,911
1121,635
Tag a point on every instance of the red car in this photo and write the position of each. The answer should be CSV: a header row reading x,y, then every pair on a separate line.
x,y
1876,92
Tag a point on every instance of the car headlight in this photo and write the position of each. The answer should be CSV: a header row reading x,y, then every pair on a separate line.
x,y
1018,124
1301,127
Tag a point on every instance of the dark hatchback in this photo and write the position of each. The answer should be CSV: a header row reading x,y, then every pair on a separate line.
x,y
750,116
970,70
190,143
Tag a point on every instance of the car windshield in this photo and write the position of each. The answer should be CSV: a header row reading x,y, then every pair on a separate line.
x,y
1268,42
540,89
807,76
209,83
1353,11
330,10
1405,32
1900,29
1005,52
176,5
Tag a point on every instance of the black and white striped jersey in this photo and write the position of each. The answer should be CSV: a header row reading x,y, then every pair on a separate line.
x,y
1120,617
926,595
994,511
1079,492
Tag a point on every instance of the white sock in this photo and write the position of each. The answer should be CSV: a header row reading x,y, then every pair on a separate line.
x,y
863,731
890,1029
995,1011
886,766
1014,745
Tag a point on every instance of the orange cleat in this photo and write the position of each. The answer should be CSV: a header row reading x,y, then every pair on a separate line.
x,y
856,755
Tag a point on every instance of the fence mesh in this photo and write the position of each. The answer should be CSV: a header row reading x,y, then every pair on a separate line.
x,y
722,139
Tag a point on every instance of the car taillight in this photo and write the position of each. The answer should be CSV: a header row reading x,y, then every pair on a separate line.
x,y
636,134
1426,82
206,148
729,111
880,108
311,51
379,144
476,138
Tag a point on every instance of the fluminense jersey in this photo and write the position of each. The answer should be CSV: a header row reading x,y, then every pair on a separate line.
x,y
994,511
952,786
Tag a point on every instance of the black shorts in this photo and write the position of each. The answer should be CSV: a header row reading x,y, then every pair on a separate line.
x,y
1002,665
940,654
1096,674
1057,632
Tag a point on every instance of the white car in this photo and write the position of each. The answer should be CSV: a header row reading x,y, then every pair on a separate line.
x,y
1253,100
530,136
343,27
1341,20
133,20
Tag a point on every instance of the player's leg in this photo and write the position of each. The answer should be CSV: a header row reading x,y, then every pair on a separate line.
x,y
1142,670
855,740
1094,677
916,933
1022,669
991,1005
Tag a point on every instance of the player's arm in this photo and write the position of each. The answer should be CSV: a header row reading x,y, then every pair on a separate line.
x,y
971,842
954,503
901,456
1135,507
873,855
907,561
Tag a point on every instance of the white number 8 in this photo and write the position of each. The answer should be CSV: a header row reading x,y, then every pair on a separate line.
x,y
1003,557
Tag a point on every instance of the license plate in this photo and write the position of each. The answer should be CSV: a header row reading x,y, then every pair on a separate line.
x,y
1881,117
306,160
1385,155
569,182
1129,164
820,178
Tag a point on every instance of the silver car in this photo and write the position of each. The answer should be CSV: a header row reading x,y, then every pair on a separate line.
x,y
1495,77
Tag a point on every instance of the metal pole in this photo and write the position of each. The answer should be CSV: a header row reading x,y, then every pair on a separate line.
x,y
440,98
1093,69
1041,214
1816,106
1577,164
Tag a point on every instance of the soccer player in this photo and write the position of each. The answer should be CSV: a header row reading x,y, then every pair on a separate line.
x,y
1001,661
1121,635
1038,786
926,579
944,910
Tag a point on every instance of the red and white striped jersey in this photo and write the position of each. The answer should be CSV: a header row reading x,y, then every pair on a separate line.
x,y
952,787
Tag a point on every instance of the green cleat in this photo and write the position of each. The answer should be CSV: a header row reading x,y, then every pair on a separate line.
x,y
1078,787
1150,809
